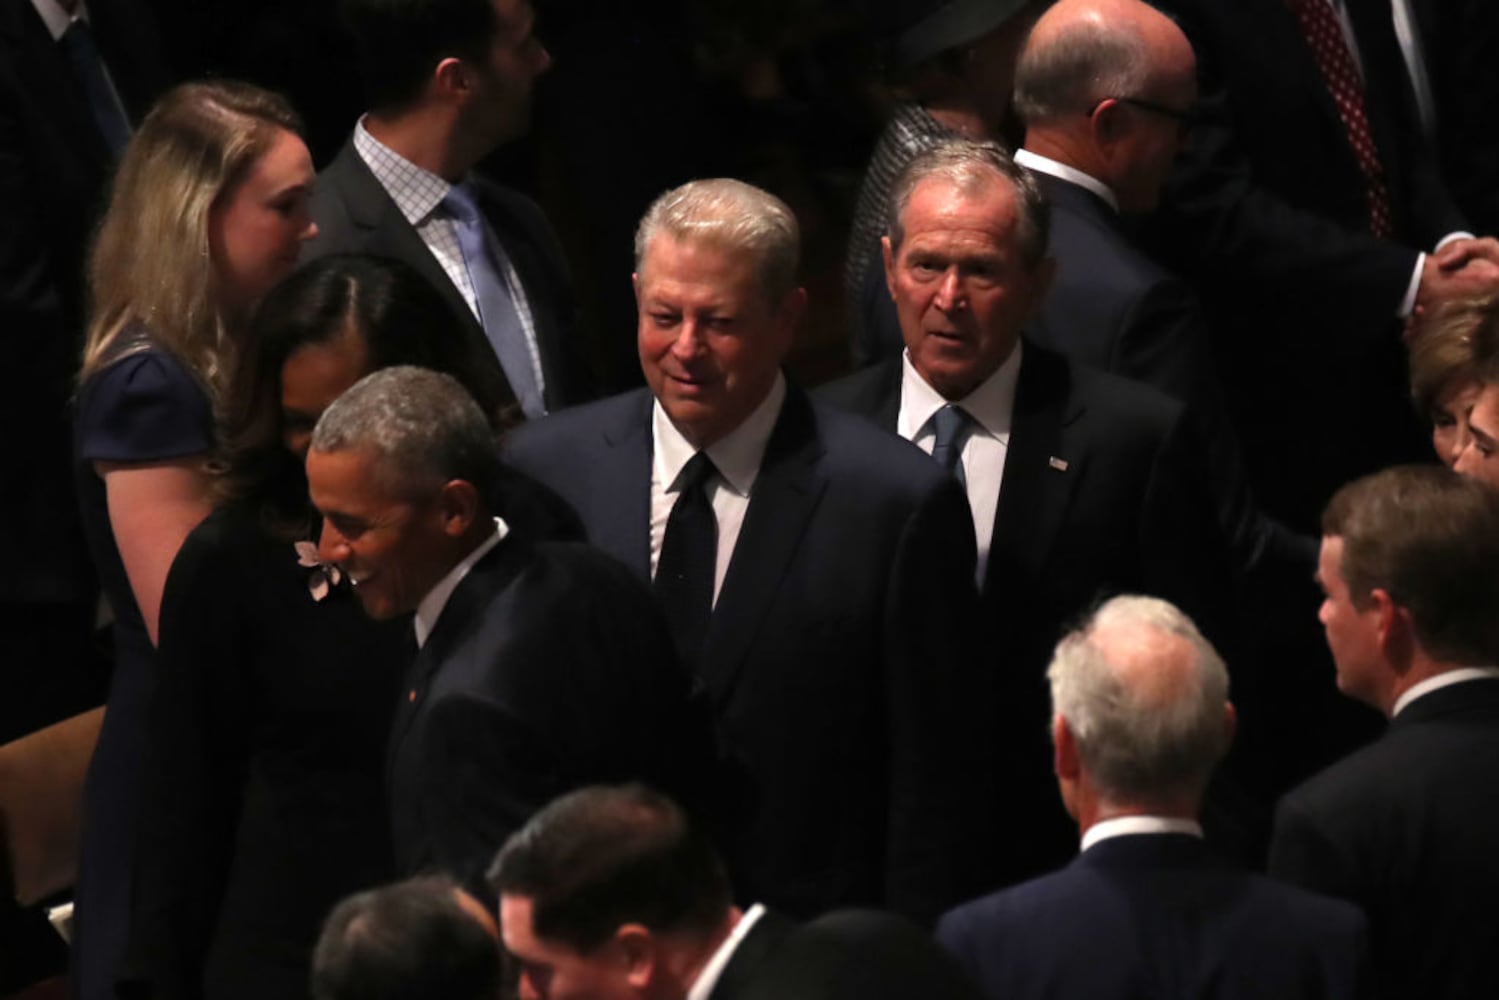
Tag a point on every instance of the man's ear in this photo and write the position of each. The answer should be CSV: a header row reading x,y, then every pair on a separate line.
x,y
459,506
887,251
1107,123
1395,628
1064,750
451,77
640,952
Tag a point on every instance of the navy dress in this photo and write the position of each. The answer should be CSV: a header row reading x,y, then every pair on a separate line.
x,y
144,407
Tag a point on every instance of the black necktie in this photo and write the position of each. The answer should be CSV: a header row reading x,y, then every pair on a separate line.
x,y
689,555
951,424
88,66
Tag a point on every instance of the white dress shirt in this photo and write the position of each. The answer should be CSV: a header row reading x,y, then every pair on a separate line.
x,y
702,986
418,193
1046,165
1445,679
983,456
736,456
430,608
1125,826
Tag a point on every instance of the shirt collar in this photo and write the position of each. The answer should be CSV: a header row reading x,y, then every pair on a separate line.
x,y
57,19
702,986
990,404
430,608
1125,826
736,455
1046,165
416,190
1444,679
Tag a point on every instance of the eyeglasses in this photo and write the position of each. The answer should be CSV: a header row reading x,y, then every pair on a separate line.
x,y
1186,120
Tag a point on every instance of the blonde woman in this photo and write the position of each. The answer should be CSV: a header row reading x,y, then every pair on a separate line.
x,y
208,212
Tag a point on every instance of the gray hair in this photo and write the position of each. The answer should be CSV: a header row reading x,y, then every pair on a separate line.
x,y
732,215
1141,744
969,166
1067,71
422,426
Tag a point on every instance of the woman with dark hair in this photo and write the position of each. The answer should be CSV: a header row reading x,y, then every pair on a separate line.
x,y
264,784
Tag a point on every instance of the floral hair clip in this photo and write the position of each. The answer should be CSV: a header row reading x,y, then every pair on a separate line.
x,y
324,576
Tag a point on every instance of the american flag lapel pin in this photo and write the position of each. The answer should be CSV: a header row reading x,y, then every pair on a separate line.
x,y
1060,464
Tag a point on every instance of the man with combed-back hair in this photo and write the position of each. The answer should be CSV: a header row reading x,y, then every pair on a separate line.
x,y
817,574
1141,718
447,82
422,939
610,893
541,666
1407,826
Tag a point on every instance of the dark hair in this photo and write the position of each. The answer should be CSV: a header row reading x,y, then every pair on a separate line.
x,y
399,316
1429,537
408,941
400,42
601,857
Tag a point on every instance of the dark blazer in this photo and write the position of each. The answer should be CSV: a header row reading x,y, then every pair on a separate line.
x,y
836,659
1115,309
853,954
1102,494
354,214
1158,917
1266,214
1406,828
549,668
53,172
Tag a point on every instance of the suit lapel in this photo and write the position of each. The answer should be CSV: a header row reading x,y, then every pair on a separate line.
x,y
1040,470
785,494
622,501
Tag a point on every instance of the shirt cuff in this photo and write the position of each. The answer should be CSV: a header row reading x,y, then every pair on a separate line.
x,y
1408,303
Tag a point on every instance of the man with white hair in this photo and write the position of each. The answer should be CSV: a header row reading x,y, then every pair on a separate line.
x,y
1140,718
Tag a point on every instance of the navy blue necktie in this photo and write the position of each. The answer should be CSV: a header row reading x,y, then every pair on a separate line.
x,y
689,559
952,424
497,311
88,66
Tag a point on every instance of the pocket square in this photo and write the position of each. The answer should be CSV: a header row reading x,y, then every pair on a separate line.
x,y
1060,464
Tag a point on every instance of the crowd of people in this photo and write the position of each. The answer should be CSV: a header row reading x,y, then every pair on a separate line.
x,y
991,668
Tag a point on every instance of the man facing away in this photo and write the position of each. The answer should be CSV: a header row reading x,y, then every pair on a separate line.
x,y
1406,827
540,666
1141,718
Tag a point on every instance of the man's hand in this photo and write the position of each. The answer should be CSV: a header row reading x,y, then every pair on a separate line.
x,y
1474,273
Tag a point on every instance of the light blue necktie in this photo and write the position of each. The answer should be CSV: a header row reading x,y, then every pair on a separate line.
x,y
497,310
951,424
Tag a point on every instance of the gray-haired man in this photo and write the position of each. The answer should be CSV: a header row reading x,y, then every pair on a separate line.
x,y
542,666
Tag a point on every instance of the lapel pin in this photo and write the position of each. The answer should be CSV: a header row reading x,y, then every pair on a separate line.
x,y
1060,464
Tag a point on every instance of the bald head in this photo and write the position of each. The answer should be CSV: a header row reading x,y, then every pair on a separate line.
x,y
1106,86
1144,698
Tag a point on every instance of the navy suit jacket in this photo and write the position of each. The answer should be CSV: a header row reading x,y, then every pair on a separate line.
x,y
836,658
1102,494
1266,213
549,668
355,214
1407,828
1158,917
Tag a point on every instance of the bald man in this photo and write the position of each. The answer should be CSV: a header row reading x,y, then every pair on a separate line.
x,y
1141,718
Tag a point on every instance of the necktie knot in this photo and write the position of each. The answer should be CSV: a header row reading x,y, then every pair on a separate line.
x,y
695,474
951,425
461,205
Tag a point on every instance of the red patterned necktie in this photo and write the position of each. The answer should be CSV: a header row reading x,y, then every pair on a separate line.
x,y
1324,33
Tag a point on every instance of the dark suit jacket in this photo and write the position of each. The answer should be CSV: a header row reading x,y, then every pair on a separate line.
x,y
1158,917
1129,513
354,214
549,668
836,658
53,171
1266,213
1406,828
1115,309
853,954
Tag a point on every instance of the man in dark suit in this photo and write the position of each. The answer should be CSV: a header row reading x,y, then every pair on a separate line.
x,y
1406,827
817,573
610,894
448,81
1141,718
1301,223
1106,89
1079,483
541,666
